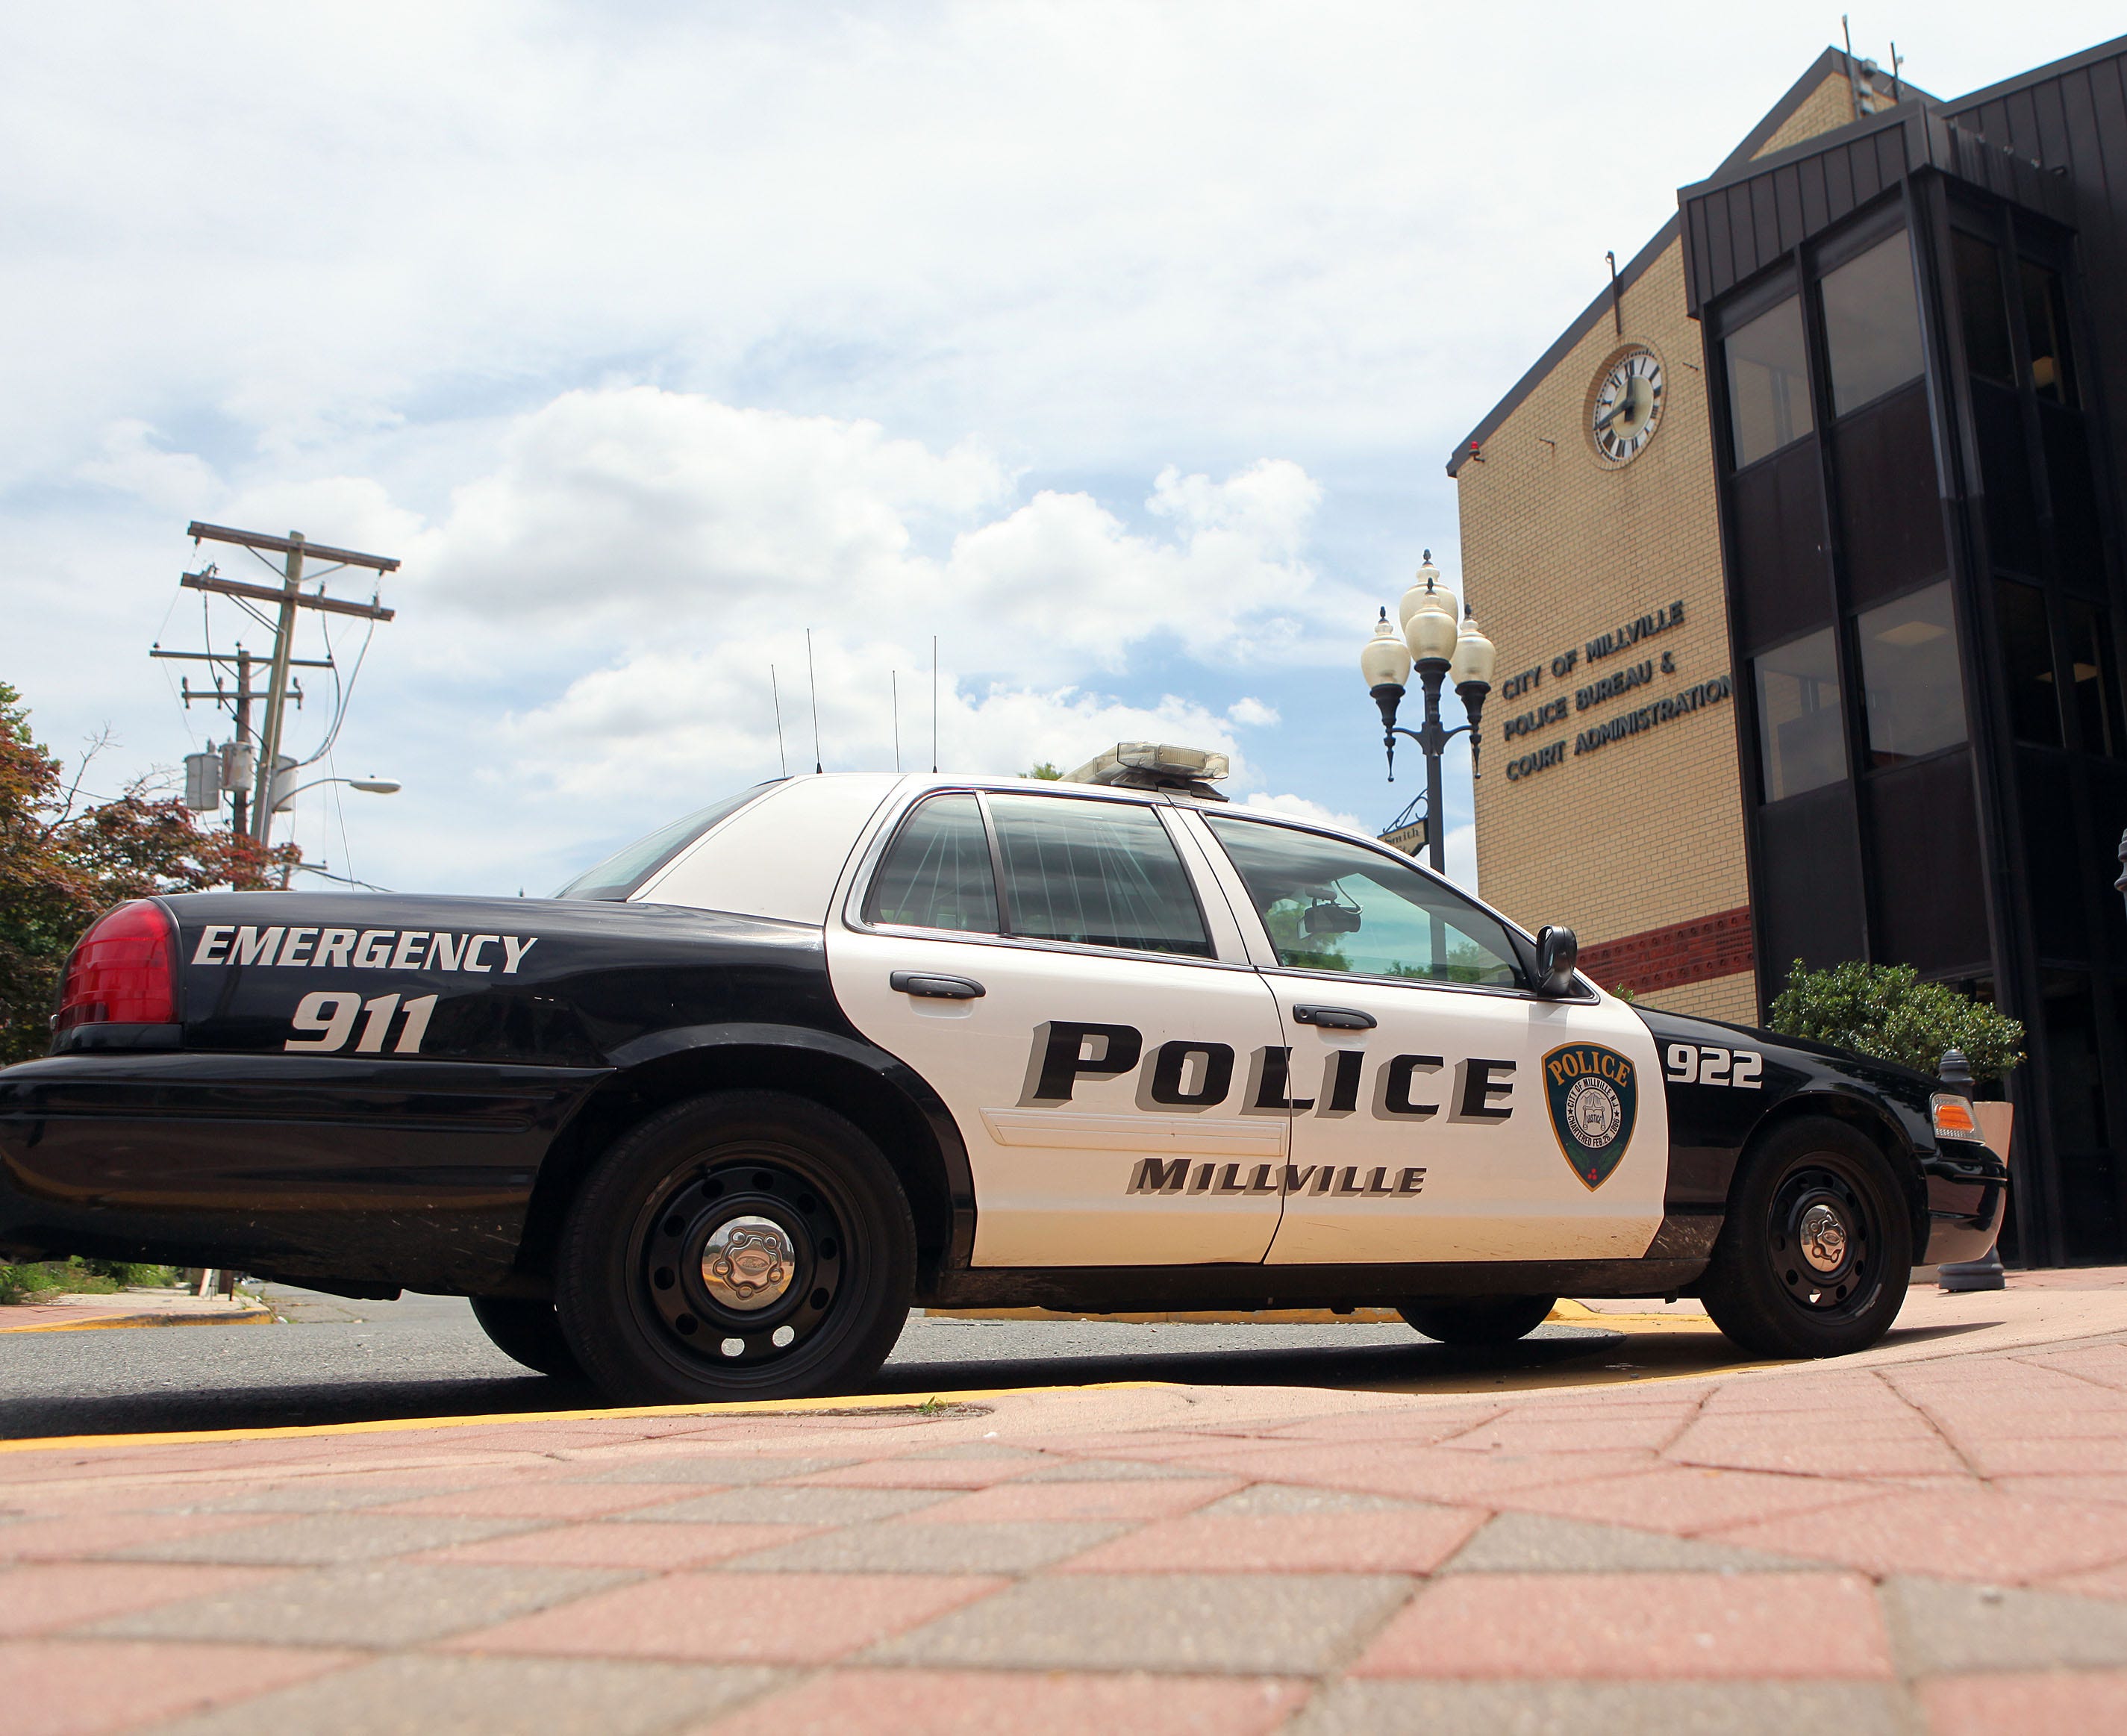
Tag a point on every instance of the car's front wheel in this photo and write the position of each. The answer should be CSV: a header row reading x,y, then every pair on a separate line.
x,y
1817,1250
746,1244
1478,1320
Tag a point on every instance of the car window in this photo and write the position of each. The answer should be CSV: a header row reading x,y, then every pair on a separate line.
x,y
1103,873
1333,906
621,873
937,872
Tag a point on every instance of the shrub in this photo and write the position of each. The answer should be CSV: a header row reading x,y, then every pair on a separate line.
x,y
63,862
1888,1012
80,1277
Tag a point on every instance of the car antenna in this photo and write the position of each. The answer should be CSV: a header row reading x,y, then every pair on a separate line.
x,y
776,699
815,680
894,676
934,704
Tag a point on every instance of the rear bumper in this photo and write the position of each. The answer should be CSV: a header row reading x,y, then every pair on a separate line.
x,y
388,1170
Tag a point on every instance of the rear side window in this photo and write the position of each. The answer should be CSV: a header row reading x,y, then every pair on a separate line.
x,y
621,873
1102,874
937,873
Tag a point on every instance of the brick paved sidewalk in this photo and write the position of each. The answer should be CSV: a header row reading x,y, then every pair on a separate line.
x,y
1933,1538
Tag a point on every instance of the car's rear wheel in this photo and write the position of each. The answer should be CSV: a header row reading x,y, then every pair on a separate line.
x,y
746,1244
529,1332
1478,1320
1817,1250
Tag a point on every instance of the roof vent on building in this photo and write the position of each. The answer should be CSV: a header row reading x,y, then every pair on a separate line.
x,y
1155,765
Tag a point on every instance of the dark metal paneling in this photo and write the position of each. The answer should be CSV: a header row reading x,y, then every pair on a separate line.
x,y
1923,837
2071,125
1809,868
1890,518
1781,567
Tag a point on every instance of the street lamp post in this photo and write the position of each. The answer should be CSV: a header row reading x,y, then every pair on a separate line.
x,y
1430,639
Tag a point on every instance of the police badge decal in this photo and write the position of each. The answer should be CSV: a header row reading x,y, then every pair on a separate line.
x,y
1593,1094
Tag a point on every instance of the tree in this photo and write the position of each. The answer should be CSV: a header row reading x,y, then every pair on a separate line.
x,y
1046,771
1888,1012
62,864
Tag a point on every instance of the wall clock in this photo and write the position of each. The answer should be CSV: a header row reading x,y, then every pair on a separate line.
x,y
1625,406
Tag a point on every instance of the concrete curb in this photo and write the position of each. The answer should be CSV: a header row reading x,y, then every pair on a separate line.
x,y
248,1317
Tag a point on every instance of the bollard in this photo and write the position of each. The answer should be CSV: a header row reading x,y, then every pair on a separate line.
x,y
1985,1272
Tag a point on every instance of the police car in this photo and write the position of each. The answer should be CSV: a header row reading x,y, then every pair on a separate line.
x,y
705,1124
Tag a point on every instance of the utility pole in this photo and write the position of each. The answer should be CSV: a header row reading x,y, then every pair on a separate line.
x,y
239,703
291,598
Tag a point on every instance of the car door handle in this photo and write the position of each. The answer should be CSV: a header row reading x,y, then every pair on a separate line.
x,y
1336,1018
938,988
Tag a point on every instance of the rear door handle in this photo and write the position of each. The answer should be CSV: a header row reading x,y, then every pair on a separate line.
x,y
941,987
1336,1018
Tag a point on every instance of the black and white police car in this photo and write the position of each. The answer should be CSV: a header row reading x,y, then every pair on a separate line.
x,y
706,1124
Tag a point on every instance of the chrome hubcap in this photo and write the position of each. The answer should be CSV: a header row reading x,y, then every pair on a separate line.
x,y
1824,1241
1823,1238
747,1263
741,1262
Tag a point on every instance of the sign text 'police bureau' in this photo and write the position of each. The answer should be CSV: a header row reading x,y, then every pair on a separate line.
x,y
362,949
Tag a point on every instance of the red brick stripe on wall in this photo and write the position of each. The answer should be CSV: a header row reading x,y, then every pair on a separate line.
x,y
1695,951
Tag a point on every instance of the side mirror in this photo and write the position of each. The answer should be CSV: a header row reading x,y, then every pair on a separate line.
x,y
1558,955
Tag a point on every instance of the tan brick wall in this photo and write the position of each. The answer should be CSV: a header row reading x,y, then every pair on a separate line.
x,y
1732,997
1830,104
1558,547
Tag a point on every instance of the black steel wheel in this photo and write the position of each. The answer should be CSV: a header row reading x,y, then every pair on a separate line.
x,y
1817,1250
1478,1320
748,1244
529,1332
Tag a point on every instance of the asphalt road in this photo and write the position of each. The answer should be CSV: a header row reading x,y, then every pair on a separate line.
x,y
339,1361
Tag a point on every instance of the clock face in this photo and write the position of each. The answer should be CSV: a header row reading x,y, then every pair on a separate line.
x,y
1625,407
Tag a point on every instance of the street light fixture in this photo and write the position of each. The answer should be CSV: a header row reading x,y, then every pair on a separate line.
x,y
284,800
1438,644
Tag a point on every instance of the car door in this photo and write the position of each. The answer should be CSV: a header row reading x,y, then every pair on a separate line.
x,y
1442,1111
1090,1016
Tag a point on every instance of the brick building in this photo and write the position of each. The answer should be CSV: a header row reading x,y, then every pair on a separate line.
x,y
1801,548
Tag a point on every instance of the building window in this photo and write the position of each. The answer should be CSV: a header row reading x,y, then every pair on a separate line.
x,y
1767,383
2027,662
1985,314
1909,677
2096,678
2045,332
1800,742
1872,325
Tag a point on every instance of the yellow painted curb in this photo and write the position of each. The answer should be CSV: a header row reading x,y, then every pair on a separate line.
x,y
421,1425
1361,1316
248,1317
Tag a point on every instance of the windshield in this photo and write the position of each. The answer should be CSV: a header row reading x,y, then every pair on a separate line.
x,y
617,876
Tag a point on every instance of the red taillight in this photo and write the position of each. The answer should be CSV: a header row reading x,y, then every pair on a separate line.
x,y
123,971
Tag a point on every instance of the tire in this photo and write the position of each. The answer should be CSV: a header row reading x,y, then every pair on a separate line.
x,y
528,1331
1817,1250
743,1245
1478,1320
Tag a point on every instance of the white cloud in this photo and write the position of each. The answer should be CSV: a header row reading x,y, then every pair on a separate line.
x,y
129,459
1300,807
649,336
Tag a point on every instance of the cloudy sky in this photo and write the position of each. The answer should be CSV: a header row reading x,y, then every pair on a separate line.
x,y
1119,347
